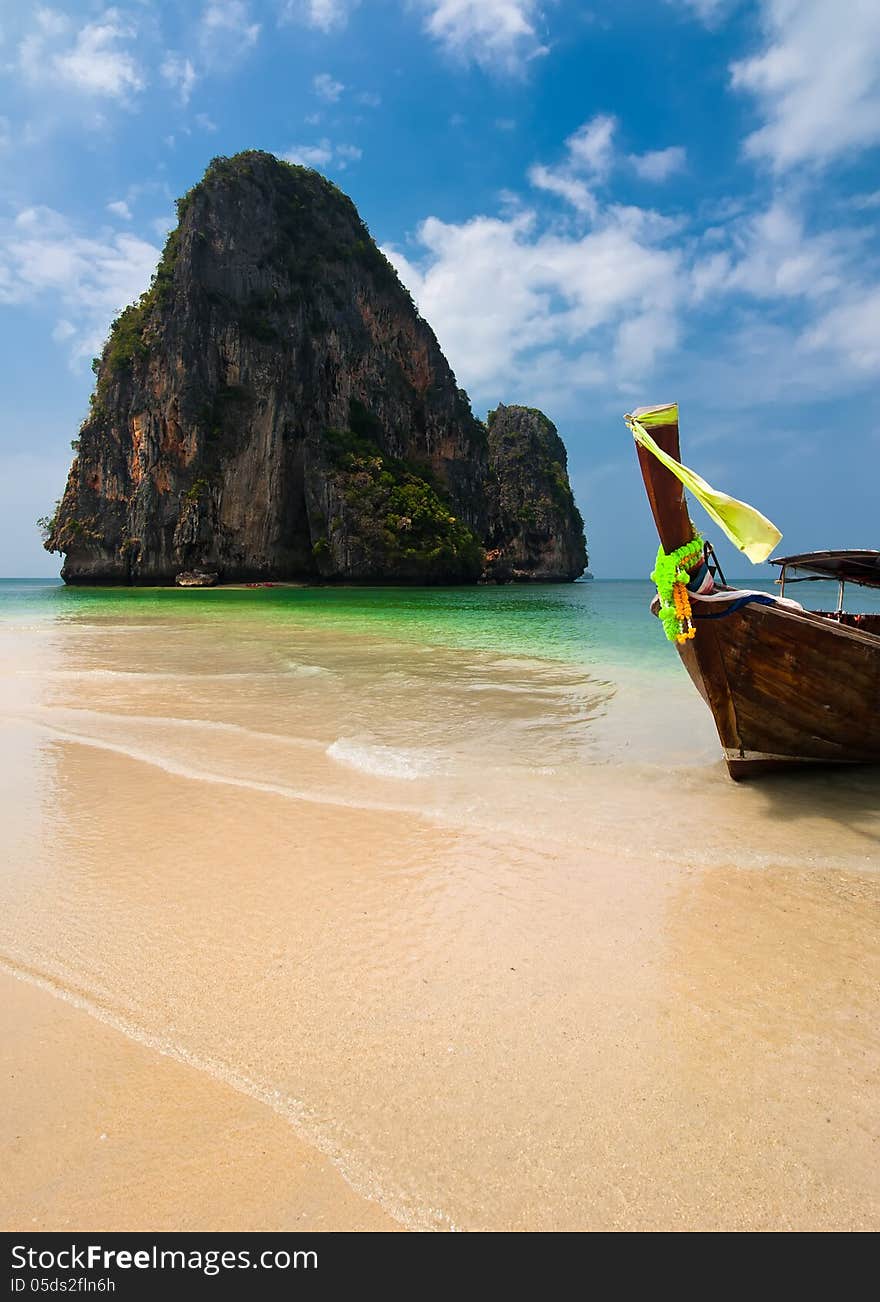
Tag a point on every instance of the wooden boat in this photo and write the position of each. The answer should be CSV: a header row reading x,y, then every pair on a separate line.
x,y
786,686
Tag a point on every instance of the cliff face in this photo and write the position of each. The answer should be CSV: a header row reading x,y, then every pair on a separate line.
x,y
535,529
275,407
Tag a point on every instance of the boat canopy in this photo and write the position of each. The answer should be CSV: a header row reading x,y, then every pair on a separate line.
x,y
846,567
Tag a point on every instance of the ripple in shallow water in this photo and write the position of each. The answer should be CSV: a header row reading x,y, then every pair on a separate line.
x,y
385,761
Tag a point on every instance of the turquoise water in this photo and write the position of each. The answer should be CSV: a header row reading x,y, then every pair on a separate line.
x,y
577,623
590,623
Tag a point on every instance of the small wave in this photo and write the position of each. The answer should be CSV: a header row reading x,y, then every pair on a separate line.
x,y
524,689
299,670
384,761
171,722
303,1119
139,676
177,769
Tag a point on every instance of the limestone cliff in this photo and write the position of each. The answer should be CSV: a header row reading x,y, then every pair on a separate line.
x,y
535,529
274,407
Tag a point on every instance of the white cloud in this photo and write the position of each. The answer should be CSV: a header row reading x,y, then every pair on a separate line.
x,y
864,202
708,11
63,331
179,73
659,164
850,331
591,147
45,258
369,99
327,88
641,339
226,29
324,15
323,154
508,298
310,155
120,208
830,335
764,363
94,60
346,154
590,154
51,22
5,133
162,225
644,223
570,188
523,302
817,81
494,33
769,255
205,122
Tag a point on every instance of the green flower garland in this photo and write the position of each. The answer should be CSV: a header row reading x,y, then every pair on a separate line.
x,y
668,571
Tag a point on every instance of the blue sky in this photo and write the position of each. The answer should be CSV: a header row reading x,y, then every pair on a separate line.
x,y
595,206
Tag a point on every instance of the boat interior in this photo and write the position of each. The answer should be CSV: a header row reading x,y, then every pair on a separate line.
x,y
859,567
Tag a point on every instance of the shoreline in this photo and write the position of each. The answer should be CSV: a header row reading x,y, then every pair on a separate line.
x,y
101,1133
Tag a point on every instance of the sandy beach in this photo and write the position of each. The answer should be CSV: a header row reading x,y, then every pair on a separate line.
x,y
99,1130
316,941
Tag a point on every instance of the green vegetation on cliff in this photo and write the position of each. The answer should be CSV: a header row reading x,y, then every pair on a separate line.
x,y
532,507
401,522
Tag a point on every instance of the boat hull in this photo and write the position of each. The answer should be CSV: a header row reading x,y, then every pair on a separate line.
x,y
787,688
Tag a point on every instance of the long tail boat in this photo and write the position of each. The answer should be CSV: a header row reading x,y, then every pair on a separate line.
x,y
786,686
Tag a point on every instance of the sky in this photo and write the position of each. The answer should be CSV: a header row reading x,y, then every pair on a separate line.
x,y
596,207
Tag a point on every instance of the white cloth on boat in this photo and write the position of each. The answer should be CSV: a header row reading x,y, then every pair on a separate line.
x,y
734,594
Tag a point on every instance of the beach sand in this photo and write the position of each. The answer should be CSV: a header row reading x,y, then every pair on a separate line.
x,y
302,913
98,1131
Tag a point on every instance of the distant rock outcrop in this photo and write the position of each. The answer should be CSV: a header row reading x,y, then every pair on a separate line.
x,y
274,407
535,529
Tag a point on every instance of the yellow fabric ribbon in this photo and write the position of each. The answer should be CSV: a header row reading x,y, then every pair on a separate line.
x,y
746,528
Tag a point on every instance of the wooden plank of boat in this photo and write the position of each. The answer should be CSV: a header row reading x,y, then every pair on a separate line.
x,y
786,687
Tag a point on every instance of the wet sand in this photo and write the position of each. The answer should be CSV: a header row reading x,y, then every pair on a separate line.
x,y
100,1132
516,979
